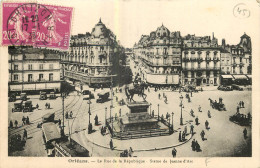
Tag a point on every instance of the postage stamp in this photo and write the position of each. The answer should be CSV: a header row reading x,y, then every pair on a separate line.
x,y
36,24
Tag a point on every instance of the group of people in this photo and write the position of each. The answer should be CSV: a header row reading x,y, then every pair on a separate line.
x,y
25,120
103,130
195,146
241,104
67,115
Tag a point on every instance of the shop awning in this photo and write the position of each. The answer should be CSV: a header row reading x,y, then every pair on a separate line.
x,y
239,76
227,76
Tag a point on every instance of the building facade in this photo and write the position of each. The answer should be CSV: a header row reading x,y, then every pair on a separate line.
x,y
91,56
200,60
32,69
160,56
168,58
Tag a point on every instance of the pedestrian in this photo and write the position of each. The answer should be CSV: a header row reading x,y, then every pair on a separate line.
x,y
174,152
11,124
183,136
202,134
185,130
209,114
153,113
197,120
96,120
24,134
23,120
130,153
102,130
111,145
199,109
243,104
193,145
191,129
46,105
237,109
207,124
37,106
159,96
191,94
120,112
197,146
245,133
67,115
15,123
192,113
27,120
180,137
49,105
59,122
71,114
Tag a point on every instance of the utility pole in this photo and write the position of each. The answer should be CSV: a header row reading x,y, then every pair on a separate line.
x,y
62,130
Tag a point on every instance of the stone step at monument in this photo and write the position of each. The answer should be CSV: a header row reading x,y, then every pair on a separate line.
x,y
141,134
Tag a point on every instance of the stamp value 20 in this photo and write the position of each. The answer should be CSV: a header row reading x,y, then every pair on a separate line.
x,y
36,24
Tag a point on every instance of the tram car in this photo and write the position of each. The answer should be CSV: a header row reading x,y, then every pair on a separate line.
x,y
241,119
49,117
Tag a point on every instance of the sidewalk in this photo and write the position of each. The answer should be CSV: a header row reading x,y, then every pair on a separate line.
x,y
141,144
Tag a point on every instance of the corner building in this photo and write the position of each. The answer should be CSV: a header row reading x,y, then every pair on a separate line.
x,y
91,57
159,56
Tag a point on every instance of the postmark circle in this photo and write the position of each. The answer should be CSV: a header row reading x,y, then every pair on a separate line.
x,y
26,24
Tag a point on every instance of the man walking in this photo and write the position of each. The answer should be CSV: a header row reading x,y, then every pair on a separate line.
x,y
180,137
197,120
191,129
245,133
24,134
174,152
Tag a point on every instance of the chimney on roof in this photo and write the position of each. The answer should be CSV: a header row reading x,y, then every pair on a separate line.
x,y
223,43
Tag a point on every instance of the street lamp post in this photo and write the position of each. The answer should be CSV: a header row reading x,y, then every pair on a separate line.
x,y
150,109
172,121
105,116
181,119
158,112
110,112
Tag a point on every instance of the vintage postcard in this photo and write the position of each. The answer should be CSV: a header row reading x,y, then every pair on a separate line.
x,y
128,83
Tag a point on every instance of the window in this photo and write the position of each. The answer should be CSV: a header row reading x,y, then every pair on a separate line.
x,y
16,77
41,66
51,77
15,67
40,77
227,68
50,66
16,57
29,66
157,51
30,79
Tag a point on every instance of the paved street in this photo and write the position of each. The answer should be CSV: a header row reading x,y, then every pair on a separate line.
x,y
224,138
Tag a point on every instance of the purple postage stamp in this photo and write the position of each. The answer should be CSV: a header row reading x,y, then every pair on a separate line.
x,y
36,24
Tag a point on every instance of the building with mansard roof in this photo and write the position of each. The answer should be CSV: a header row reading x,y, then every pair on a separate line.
x,y
92,56
167,58
160,56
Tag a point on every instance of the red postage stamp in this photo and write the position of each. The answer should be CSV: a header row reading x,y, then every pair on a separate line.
x,y
36,24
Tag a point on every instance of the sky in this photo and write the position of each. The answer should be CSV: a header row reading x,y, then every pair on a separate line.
x,y
129,19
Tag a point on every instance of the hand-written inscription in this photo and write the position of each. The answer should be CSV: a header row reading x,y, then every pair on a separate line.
x,y
241,11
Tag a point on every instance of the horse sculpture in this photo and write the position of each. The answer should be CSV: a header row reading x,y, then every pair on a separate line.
x,y
137,89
